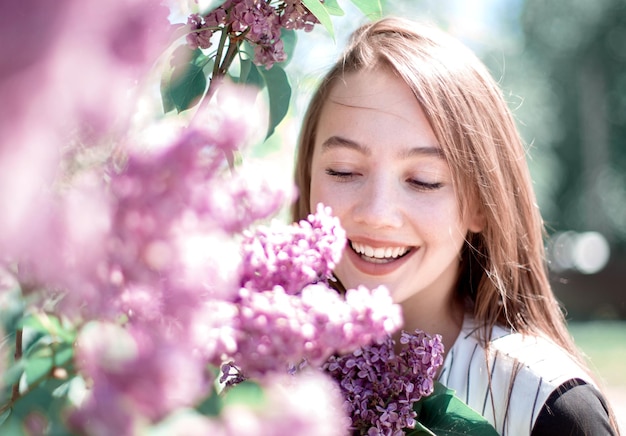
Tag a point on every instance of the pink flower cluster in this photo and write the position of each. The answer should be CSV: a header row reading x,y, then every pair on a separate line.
x,y
258,21
162,218
293,257
277,331
380,385
286,315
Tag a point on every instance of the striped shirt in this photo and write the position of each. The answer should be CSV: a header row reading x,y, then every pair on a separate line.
x,y
509,382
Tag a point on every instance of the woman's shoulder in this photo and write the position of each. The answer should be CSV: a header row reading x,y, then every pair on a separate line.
x,y
509,379
574,408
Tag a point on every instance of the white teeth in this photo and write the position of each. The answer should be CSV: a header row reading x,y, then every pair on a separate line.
x,y
379,253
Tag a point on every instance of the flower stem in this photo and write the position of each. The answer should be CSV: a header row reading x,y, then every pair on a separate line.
x,y
18,355
218,72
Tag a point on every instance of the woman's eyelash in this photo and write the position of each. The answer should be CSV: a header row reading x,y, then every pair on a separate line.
x,y
424,185
339,174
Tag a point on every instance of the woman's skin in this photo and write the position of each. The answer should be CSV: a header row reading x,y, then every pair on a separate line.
x,y
378,165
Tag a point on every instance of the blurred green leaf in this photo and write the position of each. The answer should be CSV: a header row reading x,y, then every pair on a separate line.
x,y
12,425
185,84
370,8
44,359
12,309
45,400
46,323
246,393
279,92
333,8
13,373
4,416
321,13
211,405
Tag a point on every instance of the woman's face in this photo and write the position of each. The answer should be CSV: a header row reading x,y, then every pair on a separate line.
x,y
378,165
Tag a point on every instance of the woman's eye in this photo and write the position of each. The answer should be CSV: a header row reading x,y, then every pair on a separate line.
x,y
344,175
424,186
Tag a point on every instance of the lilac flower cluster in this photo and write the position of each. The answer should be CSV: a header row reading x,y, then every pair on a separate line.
x,y
287,316
294,256
258,21
380,385
278,332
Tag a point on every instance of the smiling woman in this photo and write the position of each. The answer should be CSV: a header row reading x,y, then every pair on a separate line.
x,y
378,164
409,141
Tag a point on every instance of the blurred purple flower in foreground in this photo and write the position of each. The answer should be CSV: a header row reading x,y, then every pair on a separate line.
x,y
135,247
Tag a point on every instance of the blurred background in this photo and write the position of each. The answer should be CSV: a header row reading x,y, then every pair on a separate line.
x,y
562,67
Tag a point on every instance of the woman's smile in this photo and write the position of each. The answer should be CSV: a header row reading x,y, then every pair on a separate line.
x,y
379,258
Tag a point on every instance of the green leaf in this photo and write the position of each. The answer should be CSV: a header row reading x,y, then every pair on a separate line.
x,y
290,38
12,309
333,8
13,374
211,405
43,360
4,416
246,393
279,93
46,323
321,13
12,425
443,413
255,78
249,74
37,368
372,9
185,85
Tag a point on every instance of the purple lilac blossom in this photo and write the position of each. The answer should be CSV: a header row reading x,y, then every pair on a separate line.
x,y
258,21
277,331
296,16
381,385
199,35
294,256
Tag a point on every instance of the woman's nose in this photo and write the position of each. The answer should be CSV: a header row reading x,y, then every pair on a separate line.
x,y
378,204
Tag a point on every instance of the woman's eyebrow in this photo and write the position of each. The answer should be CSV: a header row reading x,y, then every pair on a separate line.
x,y
341,142
423,151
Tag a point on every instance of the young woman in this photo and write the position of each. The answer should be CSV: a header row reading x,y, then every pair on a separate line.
x,y
410,142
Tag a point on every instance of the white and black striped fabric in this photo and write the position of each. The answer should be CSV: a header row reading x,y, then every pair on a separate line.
x,y
509,382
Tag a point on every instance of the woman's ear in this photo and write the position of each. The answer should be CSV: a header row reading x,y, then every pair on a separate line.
x,y
477,219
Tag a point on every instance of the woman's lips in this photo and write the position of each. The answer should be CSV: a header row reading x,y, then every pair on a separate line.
x,y
379,260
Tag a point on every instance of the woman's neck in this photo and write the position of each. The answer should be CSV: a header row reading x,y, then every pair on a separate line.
x,y
434,316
